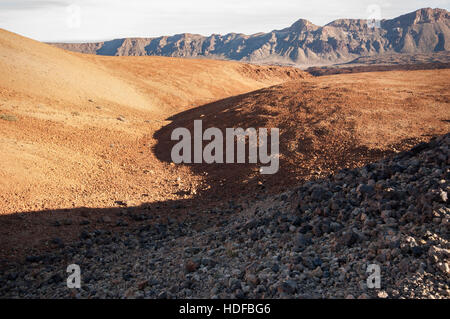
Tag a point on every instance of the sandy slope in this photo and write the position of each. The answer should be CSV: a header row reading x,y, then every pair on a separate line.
x,y
74,127
82,130
326,123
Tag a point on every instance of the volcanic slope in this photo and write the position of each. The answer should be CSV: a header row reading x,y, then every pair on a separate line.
x,y
76,130
326,124
83,130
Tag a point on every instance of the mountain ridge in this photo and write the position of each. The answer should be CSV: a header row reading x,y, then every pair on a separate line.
x,y
303,43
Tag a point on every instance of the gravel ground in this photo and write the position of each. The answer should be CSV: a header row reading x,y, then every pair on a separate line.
x,y
315,241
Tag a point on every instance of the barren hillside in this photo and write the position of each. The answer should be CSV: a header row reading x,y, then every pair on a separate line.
x,y
326,123
90,131
86,177
74,127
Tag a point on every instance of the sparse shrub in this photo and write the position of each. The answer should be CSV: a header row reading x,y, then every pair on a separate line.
x,y
231,253
8,117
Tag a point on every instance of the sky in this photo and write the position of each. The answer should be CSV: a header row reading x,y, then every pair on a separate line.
x,y
93,20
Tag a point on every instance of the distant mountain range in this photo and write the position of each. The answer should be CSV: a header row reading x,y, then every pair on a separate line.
x,y
303,43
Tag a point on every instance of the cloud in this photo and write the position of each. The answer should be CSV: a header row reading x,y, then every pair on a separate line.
x,y
46,20
20,5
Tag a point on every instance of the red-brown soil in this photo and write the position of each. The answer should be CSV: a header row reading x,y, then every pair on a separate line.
x,y
82,135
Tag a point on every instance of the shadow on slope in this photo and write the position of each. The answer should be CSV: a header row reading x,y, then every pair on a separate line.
x,y
319,134
151,234
324,127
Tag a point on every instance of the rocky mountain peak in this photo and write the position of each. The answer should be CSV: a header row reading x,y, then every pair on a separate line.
x,y
303,24
428,15
421,16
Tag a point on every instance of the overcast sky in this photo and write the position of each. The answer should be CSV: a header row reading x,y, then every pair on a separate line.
x,y
89,20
